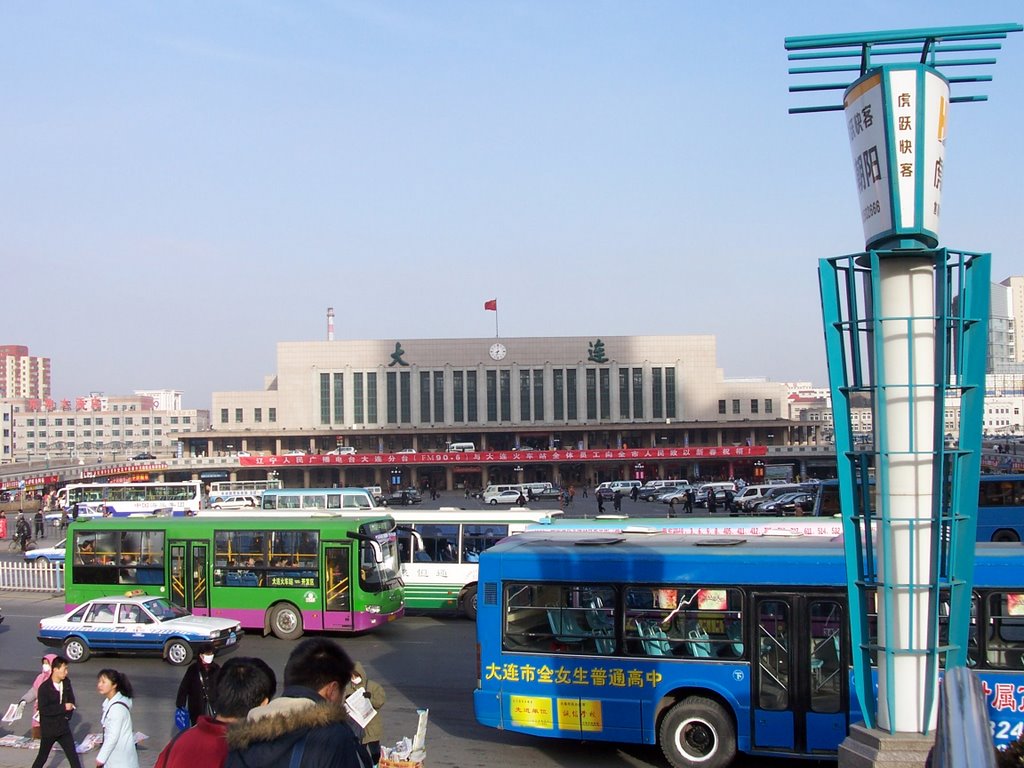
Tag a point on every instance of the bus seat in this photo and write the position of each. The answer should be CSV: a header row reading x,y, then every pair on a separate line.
x,y
655,641
604,641
598,620
565,627
700,645
735,633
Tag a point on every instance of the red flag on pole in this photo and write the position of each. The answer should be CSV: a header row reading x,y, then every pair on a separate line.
x,y
491,305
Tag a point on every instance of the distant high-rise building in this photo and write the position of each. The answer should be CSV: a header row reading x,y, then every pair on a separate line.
x,y
1014,298
22,374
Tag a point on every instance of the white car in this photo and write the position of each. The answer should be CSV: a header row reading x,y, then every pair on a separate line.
x,y
135,624
341,450
46,556
503,497
294,452
234,502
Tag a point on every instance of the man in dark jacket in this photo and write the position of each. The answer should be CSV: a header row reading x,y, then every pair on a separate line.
x,y
56,700
308,718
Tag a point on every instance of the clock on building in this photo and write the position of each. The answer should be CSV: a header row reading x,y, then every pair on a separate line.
x,y
498,351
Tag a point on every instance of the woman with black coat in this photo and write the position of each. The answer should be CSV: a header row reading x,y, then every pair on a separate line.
x,y
56,700
199,685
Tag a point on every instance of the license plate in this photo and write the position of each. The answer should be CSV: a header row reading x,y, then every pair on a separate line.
x,y
231,639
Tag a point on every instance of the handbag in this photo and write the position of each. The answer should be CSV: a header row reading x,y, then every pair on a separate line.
x,y
181,719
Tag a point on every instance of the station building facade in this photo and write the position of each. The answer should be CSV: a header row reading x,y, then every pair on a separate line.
x,y
554,395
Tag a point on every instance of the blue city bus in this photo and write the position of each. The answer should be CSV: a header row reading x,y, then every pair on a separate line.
x,y
704,646
1000,506
697,525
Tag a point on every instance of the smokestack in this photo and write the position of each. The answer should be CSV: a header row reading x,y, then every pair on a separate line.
x,y
330,323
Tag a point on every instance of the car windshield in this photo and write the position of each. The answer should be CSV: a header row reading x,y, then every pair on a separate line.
x,y
164,611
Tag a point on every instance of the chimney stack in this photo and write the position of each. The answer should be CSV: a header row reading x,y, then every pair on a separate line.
x,y
330,323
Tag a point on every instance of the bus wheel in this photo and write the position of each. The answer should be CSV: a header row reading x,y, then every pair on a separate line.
x,y
75,649
469,603
1005,534
178,652
285,622
698,732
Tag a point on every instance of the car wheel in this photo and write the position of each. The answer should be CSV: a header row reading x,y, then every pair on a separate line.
x,y
494,502
698,732
469,603
286,622
42,562
75,649
216,506
178,652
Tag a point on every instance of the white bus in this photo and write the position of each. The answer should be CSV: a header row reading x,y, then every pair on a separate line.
x,y
242,487
124,499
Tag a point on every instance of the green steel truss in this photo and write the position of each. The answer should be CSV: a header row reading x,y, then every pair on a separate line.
x,y
851,55
849,289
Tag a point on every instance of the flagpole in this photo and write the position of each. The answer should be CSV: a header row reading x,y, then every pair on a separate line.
x,y
496,324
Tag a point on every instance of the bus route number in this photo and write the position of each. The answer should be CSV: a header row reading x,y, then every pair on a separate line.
x,y
292,581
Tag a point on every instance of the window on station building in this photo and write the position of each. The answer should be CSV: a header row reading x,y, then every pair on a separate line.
x,y
357,398
524,395
767,405
439,396
339,398
638,393
325,398
753,405
604,377
257,415
238,416
657,397
721,407
223,415
458,396
571,411
425,397
405,396
272,415
538,395
505,394
736,406
471,412
623,393
591,394
558,380
391,386
492,395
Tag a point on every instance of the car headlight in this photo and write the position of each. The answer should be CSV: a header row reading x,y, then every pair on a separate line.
x,y
373,609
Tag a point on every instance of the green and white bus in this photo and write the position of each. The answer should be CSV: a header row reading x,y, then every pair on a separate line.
x,y
440,549
280,575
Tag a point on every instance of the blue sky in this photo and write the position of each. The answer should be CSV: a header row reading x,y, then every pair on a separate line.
x,y
185,184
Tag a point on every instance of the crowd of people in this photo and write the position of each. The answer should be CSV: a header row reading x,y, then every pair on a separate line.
x,y
232,717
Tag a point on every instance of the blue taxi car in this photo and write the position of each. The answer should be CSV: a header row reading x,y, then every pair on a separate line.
x,y
136,623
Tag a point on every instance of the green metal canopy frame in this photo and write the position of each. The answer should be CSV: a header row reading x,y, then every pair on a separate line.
x,y
867,50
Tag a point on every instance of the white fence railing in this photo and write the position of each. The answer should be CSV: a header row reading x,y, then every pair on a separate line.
x,y
30,577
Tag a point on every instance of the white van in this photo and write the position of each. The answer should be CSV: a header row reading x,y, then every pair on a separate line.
x,y
461,448
341,450
653,488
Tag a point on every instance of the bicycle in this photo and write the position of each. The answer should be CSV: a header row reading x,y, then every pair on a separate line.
x,y
14,545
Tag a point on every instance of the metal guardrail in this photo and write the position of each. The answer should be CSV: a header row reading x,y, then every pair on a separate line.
x,y
30,577
963,738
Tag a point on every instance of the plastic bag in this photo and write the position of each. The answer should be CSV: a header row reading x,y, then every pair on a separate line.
x,y
181,719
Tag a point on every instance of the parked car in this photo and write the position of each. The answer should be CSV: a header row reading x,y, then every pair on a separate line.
x,y
143,457
46,556
788,504
341,450
234,502
551,492
294,452
135,624
405,497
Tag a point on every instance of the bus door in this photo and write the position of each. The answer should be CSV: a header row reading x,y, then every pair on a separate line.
x,y
190,587
800,697
337,585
